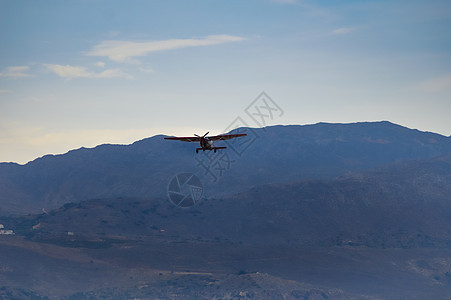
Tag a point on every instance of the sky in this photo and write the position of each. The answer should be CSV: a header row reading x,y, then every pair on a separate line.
x,y
86,72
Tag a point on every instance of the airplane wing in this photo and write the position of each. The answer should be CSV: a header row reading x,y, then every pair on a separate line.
x,y
225,137
184,139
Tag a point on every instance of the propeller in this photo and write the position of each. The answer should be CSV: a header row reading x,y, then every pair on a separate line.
x,y
203,135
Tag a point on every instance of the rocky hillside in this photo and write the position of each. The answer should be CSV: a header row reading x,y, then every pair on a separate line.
x,y
404,205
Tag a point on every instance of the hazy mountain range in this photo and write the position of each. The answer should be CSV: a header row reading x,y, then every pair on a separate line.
x,y
277,154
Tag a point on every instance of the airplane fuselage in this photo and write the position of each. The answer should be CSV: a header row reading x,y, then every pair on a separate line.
x,y
206,144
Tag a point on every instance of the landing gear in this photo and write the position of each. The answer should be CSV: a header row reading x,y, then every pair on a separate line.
x,y
209,149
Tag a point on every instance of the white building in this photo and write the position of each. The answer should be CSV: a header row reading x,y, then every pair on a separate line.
x,y
5,231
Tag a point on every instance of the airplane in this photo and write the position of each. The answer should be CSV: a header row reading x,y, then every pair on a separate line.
x,y
206,143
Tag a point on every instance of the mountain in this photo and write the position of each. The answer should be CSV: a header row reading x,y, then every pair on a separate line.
x,y
383,233
275,154
404,205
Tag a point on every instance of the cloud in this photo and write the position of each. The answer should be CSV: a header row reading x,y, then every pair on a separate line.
x,y
437,84
342,30
124,51
16,72
69,72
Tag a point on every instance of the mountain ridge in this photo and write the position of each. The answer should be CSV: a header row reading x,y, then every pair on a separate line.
x,y
281,153
144,140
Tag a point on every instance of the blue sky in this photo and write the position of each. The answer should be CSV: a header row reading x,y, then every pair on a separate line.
x,y
83,73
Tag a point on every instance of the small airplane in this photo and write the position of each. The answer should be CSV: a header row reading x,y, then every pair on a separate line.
x,y
206,143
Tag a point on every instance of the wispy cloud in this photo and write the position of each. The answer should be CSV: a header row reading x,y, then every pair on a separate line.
x,y
342,30
70,72
16,72
437,84
125,51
